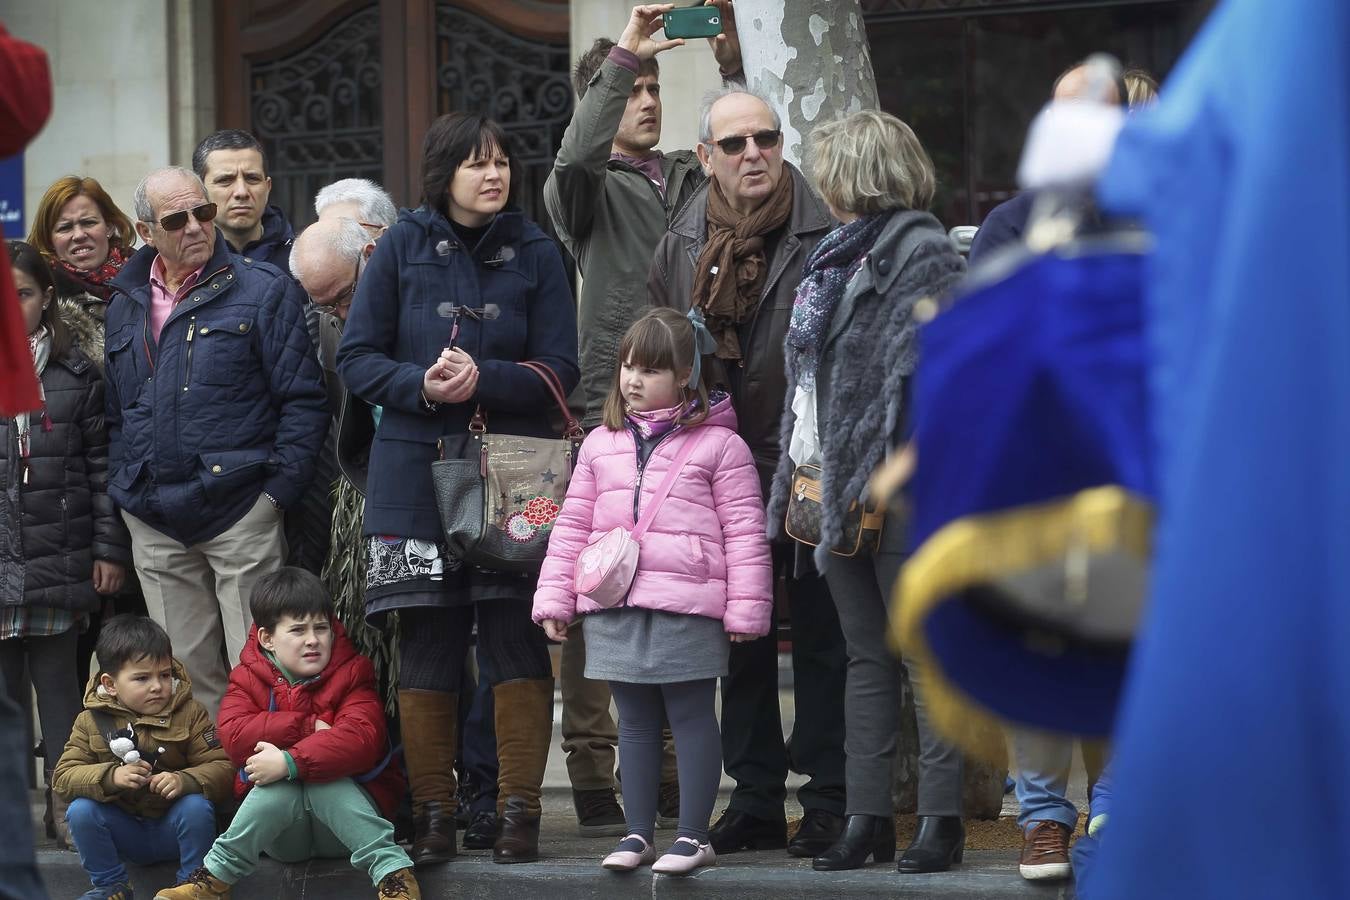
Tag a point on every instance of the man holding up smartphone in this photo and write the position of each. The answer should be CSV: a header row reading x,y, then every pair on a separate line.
x,y
611,195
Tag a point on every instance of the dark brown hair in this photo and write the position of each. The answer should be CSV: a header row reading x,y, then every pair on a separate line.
x,y
589,62
662,339
289,591
26,258
453,138
130,638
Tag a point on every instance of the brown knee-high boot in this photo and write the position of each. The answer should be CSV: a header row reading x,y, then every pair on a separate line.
x,y
524,722
430,722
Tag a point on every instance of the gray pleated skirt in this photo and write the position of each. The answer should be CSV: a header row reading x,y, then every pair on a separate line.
x,y
644,646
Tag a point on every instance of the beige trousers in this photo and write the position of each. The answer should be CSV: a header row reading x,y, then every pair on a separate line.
x,y
199,594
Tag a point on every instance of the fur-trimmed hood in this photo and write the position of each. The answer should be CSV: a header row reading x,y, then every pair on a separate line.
x,y
82,314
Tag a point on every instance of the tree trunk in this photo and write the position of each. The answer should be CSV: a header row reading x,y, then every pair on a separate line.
x,y
810,58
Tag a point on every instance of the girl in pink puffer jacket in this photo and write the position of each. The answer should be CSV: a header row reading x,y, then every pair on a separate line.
x,y
703,577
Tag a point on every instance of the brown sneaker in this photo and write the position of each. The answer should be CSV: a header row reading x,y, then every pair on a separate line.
x,y
201,885
1045,851
400,885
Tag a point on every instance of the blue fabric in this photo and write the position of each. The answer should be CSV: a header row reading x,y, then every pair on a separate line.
x,y
1004,225
105,835
274,246
245,394
1043,765
1237,696
400,321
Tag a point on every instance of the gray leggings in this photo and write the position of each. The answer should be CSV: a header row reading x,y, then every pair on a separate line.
x,y
643,710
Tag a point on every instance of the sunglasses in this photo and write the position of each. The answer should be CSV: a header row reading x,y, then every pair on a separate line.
x,y
174,221
735,145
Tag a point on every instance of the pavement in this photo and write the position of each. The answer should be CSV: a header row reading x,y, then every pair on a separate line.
x,y
570,868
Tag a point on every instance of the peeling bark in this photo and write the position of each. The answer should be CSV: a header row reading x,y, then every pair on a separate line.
x,y
810,58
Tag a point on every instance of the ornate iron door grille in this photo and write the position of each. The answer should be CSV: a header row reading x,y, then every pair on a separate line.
x,y
521,83
318,113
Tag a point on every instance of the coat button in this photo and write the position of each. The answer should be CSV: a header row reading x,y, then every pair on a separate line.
x,y
883,266
215,470
206,331
243,326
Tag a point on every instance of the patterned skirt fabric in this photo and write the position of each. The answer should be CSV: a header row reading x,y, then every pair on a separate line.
x,y
403,572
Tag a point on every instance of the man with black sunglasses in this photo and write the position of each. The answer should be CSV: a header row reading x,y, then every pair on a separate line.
x,y
736,252
215,414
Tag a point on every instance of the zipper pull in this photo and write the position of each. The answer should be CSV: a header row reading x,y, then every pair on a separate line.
x,y
25,471
192,328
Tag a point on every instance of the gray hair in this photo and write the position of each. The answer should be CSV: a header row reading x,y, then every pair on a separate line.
x,y
141,199
710,100
345,241
869,162
376,206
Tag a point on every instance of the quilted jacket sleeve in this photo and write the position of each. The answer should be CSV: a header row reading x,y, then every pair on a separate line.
x,y
740,509
297,390
556,597
111,541
355,741
244,719
81,771
209,770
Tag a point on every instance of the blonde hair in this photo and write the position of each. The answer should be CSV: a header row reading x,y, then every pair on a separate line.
x,y
869,162
121,233
1141,88
662,339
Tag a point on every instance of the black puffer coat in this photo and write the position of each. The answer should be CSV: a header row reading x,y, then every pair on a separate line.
x,y
68,519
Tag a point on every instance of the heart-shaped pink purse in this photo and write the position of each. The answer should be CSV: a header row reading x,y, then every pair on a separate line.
x,y
605,570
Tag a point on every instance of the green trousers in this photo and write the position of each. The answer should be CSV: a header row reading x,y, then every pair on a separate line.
x,y
292,821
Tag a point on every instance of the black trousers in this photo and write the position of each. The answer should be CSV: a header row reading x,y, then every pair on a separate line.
x,y
753,750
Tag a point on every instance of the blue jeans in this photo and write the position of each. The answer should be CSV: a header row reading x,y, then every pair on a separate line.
x,y
1043,763
105,834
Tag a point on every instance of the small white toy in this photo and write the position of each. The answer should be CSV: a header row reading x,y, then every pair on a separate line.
x,y
124,748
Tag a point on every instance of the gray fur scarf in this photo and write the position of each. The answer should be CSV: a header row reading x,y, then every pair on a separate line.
x,y
861,408
82,314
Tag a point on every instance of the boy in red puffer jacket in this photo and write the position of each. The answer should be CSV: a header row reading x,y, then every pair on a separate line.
x,y
303,720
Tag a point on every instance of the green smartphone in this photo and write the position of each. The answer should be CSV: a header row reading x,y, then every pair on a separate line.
x,y
692,22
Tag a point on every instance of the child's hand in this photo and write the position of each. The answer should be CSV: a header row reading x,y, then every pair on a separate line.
x,y
133,776
742,638
556,629
321,725
168,785
266,765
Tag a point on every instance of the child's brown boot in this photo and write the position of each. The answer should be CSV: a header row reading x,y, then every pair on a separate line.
x,y
201,885
400,885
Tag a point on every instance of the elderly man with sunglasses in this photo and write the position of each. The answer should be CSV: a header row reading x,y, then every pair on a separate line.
x,y
215,415
736,252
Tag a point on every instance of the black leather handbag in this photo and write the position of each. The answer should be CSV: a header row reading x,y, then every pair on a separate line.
x,y
499,501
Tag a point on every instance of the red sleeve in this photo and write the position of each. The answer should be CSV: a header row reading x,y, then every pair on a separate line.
x,y
357,740
25,93
244,719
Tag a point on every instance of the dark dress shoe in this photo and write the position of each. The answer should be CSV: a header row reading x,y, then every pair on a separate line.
x,y
816,834
863,836
938,842
519,838
736,830
433,835
482,831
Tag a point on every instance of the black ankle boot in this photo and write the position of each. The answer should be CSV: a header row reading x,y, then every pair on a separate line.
x,y
863,836
938,842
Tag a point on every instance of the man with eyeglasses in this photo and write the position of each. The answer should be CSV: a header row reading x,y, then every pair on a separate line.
x,y
736,252
215,415
611,195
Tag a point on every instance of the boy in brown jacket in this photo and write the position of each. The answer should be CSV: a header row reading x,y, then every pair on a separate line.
x,y
155,803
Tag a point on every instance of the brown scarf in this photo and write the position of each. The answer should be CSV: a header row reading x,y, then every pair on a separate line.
x,y
731,268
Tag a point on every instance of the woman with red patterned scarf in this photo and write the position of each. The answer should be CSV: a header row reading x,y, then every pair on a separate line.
x,y
86,239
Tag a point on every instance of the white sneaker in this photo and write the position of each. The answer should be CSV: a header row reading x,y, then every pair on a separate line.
x,y
632,852
678,863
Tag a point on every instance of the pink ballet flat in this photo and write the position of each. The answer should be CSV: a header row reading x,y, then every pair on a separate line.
x,y
683,863
632,852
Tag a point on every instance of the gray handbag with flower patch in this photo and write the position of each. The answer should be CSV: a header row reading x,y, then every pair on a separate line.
x,y
499,501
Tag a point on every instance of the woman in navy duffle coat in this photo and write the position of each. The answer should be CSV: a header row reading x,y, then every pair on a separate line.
x,y
465,262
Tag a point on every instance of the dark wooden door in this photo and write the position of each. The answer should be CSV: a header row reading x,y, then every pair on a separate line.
x,y
343,89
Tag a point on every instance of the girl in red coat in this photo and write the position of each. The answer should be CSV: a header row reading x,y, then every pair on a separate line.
x,y
303,720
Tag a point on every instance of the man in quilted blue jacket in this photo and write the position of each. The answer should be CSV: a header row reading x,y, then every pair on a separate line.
x,y
216,413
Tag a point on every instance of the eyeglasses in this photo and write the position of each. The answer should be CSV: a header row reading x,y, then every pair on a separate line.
x,y
349,291
735,145
176,220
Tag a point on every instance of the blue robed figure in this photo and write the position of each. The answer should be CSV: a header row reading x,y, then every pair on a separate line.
x,y
1234,737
